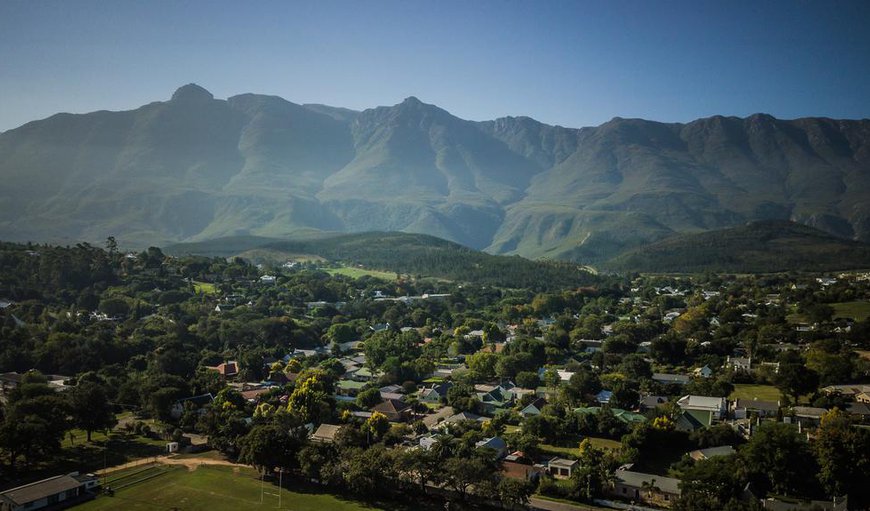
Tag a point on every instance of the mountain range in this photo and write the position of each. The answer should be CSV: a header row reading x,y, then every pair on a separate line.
x,y
195,168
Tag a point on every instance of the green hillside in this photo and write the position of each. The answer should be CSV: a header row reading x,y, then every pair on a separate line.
x,y
414,254
754,248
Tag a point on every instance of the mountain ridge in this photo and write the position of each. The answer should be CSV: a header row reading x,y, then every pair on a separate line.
x,y
196,167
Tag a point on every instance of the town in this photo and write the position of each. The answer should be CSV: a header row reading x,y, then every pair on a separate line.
x,y
690,392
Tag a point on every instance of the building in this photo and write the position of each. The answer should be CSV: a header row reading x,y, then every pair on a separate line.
x,y
49,492
744,408
703,408
496,444
671,379
808,415
646,488
197,403
395,410
534,408
712,452
562,468
325,433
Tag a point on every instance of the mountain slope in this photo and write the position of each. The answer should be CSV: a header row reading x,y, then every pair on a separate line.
x,y
195,168
766,246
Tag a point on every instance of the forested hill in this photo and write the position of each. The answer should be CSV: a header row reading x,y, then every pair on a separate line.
x,y
754,248
414,254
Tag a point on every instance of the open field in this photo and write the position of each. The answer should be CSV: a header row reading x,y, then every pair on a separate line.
x,y
574,451
356,273
859,311
206,288
213,488
759,392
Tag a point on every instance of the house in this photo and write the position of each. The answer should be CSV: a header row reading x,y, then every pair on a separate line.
x,y
495,400
349,388
228,369
625,416
197,403
268,279
395,410
57,491
495,443
253,395
646,488
431,420
703,372
669,379
325,433
853,390
652,402
743,408
739,364
521,471
562,468
860,411
703,408
711,452
604,396
687,423
459,417
808,415
436,393
534,408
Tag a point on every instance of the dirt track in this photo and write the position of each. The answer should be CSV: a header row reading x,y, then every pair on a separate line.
x,y
190,463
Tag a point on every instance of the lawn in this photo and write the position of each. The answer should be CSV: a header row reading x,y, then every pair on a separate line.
x,y
574,451
356,273
858,311
205,288
759,392
212,488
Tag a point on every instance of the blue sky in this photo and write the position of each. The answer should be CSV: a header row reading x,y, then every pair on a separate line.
x,y
574,63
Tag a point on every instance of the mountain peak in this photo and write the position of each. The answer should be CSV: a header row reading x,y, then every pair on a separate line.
x,y
192,93
412,100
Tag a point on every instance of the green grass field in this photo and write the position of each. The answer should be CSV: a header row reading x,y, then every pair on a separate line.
x,y
760,392
206,288
574,451
356,273
859,311
213,488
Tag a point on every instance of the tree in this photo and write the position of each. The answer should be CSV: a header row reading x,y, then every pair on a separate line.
x,y
268,446
368,398
90,407
515,492
779,459
843,453
375,427
461,473
716,483
794,379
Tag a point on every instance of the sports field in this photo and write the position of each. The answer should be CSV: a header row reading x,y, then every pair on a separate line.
x,y
211,488
759,392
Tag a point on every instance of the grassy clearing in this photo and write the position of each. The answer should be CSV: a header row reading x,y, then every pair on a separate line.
x,y
212,488
356,273
858,311
574,451
759,392
206,288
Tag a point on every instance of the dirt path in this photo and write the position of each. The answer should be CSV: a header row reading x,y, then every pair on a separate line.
x,y
190,463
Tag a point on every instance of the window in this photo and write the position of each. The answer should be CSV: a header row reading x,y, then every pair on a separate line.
x,y
623,490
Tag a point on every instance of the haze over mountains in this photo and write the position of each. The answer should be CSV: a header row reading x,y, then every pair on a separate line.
x,y
196,168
